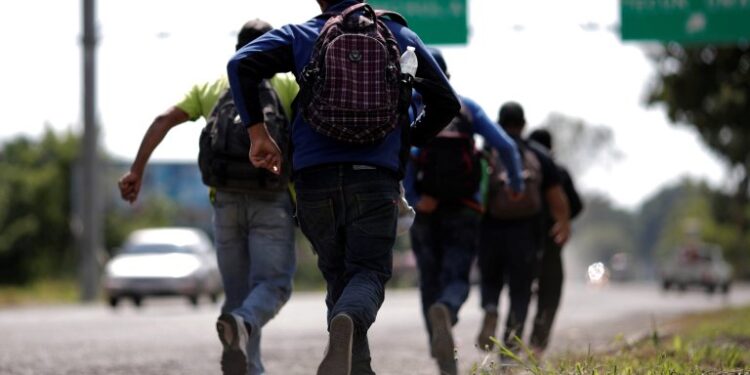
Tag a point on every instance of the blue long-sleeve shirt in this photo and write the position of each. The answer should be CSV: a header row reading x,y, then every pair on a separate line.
x,y
289,49
493,134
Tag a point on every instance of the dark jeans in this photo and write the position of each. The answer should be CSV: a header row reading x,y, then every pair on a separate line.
x,y
349,215
444,243
549,291
507,251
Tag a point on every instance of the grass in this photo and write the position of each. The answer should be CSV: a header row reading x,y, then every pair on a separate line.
x,y
708,343
42,292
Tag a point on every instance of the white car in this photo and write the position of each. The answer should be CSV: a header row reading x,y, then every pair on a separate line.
x,y
163,262
698,265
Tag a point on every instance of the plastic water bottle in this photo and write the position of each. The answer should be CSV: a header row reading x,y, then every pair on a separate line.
x,y
409,62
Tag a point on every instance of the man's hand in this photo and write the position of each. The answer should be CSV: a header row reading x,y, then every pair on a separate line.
x,y
426,204
264,152
560,232
130,186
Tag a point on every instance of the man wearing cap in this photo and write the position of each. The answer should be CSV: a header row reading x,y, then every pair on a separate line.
x,y
253,231
444,232
509,236
347,194
549,268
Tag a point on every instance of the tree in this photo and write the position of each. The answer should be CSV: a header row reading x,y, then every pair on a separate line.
x,y
579,145
35,235
36,193
708,88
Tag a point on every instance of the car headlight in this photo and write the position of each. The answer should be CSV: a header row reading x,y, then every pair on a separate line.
x,y
153,266
182,267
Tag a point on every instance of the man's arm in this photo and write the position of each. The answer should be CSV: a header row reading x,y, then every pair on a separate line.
x,y
130,183
269,54
560,211
554,195
441,104
498,139
574,200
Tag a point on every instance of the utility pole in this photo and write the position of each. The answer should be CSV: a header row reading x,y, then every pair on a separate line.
x,y
89,194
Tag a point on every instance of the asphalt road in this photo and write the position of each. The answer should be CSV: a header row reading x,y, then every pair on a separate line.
x,y
171,337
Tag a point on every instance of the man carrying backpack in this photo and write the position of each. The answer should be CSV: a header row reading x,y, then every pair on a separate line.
x,y
253,227
509,235
349,140
442,183
549,268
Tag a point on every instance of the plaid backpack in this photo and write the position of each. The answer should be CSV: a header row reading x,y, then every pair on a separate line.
x,y
351,88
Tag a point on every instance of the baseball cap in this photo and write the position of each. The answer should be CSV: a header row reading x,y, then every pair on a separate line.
x,y
251,30
511,113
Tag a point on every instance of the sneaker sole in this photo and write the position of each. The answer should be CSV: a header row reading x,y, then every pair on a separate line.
x,y
233,358
442,339
338,358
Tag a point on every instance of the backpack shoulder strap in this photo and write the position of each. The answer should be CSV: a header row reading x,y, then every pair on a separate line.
x,y
393,16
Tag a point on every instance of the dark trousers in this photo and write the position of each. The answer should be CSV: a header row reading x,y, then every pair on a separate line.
x,y
549,291
507,252
349,215
444,243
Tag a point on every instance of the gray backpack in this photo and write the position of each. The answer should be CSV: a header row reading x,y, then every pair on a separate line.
x,y
499,204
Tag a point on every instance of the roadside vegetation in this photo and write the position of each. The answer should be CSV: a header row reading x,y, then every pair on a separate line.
x,y
708,343
40,292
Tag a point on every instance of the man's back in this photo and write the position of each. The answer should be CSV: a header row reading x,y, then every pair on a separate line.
x,y
346,193
289,49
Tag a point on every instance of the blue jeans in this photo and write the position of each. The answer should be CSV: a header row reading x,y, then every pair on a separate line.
x,y
445,244
254,235
349,215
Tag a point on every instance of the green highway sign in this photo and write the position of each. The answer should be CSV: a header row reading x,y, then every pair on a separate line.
x,y
686,21
436,21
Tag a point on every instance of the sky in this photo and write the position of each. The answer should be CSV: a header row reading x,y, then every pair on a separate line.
x,y
535,52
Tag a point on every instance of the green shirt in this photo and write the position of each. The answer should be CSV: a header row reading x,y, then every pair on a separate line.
x,y
200,100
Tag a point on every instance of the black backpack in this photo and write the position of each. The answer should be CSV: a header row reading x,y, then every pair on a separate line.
x,y
224,146
448,167
351,90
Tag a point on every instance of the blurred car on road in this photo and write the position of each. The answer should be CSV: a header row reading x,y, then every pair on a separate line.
x,y
597,274
176,261
621,267
699,265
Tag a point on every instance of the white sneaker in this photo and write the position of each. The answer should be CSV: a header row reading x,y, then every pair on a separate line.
x,y
234,337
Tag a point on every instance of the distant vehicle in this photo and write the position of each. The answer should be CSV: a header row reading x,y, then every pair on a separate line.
x,y
597,274
163,262
697,265
621,267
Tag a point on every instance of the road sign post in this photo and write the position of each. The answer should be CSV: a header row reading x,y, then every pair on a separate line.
x,y
686,21
436,21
